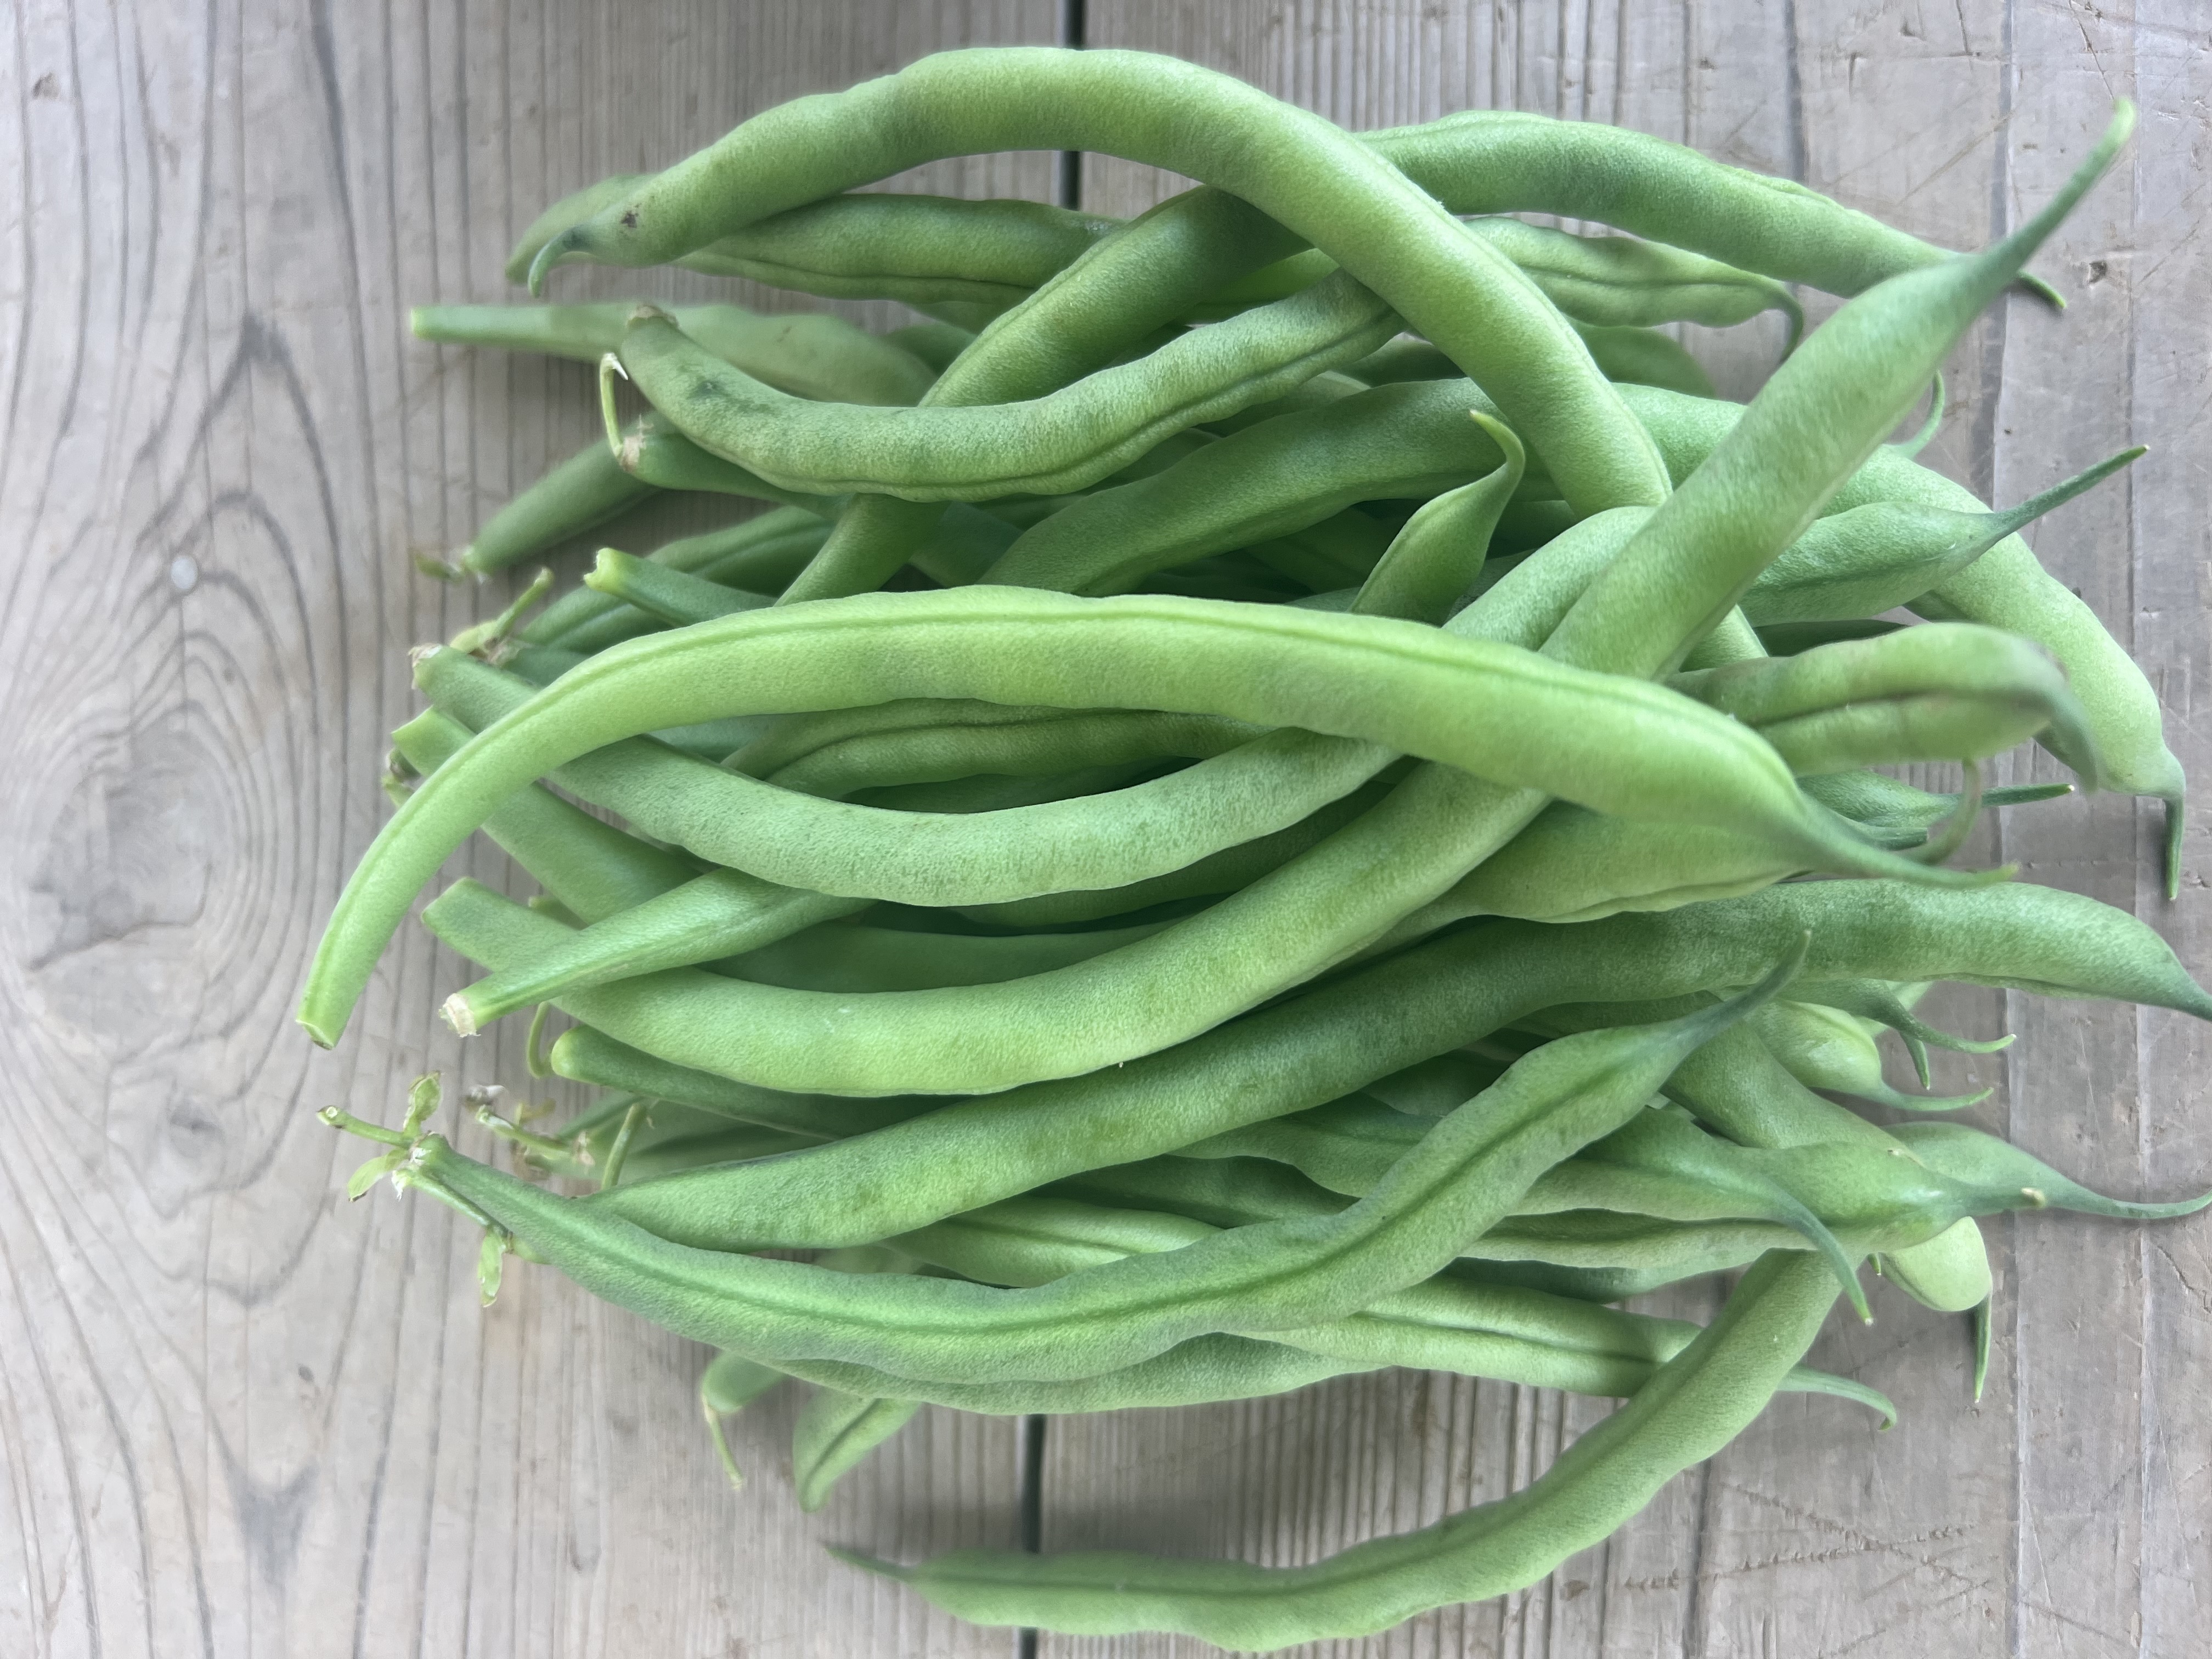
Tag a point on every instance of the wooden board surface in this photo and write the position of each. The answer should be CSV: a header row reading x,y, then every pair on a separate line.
x,y
240,1417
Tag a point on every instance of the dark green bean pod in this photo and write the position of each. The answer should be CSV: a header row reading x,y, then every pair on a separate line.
x,y
871,959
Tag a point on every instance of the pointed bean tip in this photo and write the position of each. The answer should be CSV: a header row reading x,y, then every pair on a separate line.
x,y
554,253
874,1563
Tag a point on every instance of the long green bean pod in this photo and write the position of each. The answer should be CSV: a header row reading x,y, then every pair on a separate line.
x,y
1696,1404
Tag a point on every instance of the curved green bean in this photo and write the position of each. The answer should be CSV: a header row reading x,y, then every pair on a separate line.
x,y
1697,1402
1614,745
1061,442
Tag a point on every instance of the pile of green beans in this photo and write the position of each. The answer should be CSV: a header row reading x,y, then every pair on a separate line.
x,y
1283,792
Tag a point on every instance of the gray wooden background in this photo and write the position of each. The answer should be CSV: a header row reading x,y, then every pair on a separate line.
x,y
240,1417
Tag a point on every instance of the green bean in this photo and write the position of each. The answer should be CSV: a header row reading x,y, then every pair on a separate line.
x,y
1928,672
1788,639
1235,1191
724,913
1615,281
591,867
651,450
1511,161
580,494
936,858
1815,423
1827,1048
810,355
1692,1407
986,792
1658,1164
1881,1003
1223,872
1888,805
1611,744
1199,1371
1282,475
1062,441
1969,1155
1949,1273
864,245
1870,559
874,959
761,554
586,1055
833,1432
938,344
1435,997
1436,556
1246,1280
675,596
